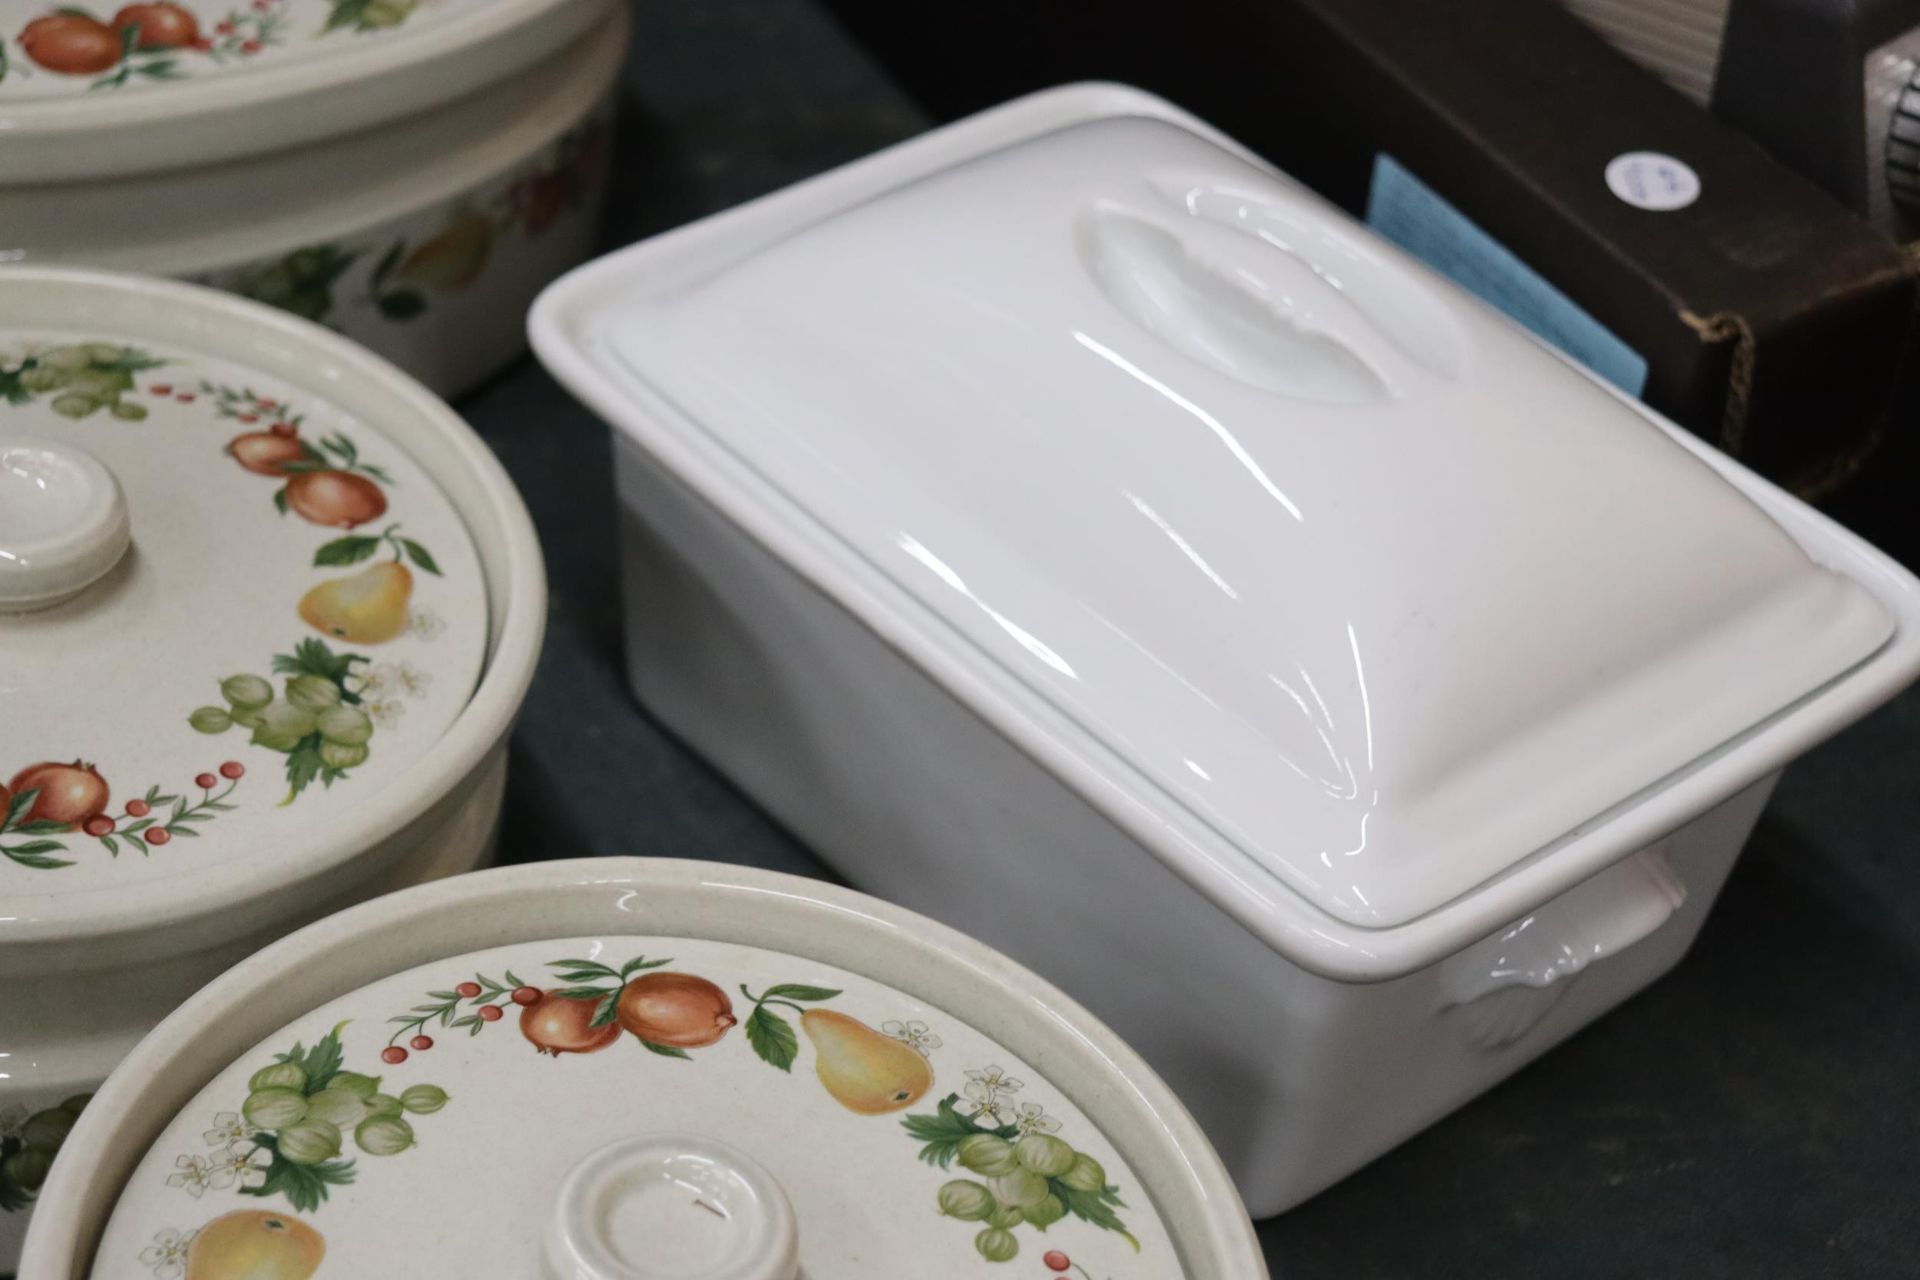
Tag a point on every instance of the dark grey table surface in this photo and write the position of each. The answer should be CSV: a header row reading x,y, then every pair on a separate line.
x,y
1756,1114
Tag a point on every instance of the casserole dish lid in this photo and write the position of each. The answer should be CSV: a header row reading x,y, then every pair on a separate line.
x,y
97,92
650,1070
232,608
1327,555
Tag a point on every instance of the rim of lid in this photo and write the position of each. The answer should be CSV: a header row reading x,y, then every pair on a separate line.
x,y
247,110
1111,1084
569,338
49,929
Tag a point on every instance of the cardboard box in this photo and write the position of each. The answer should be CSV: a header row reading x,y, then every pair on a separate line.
x,y
1771,320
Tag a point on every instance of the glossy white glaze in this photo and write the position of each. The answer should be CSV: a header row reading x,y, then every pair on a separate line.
x,y
863,1201
1354,606
869,722
63,522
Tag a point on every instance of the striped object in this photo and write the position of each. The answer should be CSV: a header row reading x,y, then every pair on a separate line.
x,y
1677,40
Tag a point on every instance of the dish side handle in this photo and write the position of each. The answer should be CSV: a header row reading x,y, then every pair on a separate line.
x,y
1499,988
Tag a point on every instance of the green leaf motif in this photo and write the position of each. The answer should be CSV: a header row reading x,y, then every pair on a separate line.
x,y
1095,1207
943,1132
304,764
311,657
666,1050
772,1038
418,554
351,549
799,991
606,1010
34,855
320,1063
18,809
588,969
280,500
13,1196
401,304
304,1186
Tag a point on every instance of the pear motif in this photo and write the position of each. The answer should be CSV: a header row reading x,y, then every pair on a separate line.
x,y
865,1071
255,1244
451,260
368,607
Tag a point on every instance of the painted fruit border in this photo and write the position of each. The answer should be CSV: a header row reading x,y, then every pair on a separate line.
x,y
331,703
289,1139
164,40
420,262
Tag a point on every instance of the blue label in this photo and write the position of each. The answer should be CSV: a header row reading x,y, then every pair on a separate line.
x,y
1409,213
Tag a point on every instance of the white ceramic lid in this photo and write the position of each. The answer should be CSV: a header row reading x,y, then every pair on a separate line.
x,y
87,93
232,612
703,1071
1379,589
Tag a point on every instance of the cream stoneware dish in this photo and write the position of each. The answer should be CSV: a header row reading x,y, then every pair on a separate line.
x,y
408,172
628,1069
1083,534
267,610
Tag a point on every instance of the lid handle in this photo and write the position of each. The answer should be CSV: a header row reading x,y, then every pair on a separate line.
x,y
671,1206
63,523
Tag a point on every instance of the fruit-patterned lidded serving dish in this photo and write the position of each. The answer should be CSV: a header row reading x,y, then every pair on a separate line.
x,y
1080,532
408,172
635,1069
267,611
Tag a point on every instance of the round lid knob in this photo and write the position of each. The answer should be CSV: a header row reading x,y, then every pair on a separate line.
x,y
671,1207
63,523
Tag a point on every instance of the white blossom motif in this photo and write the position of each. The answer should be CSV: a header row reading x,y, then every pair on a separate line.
x,y
984,1089
1032,1118
246,1165
196,1176
385,712
426,624
914,1035
229,1130
167,1255
411,680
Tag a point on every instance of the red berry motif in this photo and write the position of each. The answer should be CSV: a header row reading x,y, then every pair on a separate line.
x,y
393,1055
489,1012
161,389
526,995
1056,1260
251,46
206,782
468,989
186,397
232,769
139,808
281,428
422,1043
247,417
98,825
157,836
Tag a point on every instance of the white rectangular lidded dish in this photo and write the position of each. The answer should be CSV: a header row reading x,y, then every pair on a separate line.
x,y
1080,532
